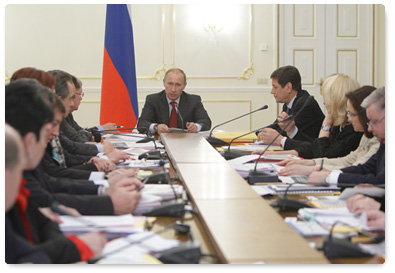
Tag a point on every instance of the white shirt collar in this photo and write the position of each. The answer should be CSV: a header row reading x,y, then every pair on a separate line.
x,y
170,100
290,104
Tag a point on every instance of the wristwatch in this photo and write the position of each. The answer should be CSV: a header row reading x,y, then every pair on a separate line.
x,y
326,128
156,128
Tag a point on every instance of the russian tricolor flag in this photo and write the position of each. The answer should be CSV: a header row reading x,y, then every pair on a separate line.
x,y
119,88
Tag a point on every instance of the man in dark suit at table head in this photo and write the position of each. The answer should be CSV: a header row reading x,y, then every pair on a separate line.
x,y
287,89
173,108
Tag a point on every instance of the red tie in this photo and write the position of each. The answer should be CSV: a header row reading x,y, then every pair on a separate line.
x,y
173,115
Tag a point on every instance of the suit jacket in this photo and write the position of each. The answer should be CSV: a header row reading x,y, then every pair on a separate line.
x,y
81,196
156,110
80,131
340,142
372,172
51,167
46,234
74,147
18,250
309,121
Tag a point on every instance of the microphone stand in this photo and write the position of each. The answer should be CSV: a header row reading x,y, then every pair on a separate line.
x,y
340,248
233,154
257,177
219,142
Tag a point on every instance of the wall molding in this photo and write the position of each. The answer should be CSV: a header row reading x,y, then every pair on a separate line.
x,y
266,89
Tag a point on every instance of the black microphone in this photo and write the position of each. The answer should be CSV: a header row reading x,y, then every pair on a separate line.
x,y
285,203
219,142
228,154
95,260
172,208
257,177
343,247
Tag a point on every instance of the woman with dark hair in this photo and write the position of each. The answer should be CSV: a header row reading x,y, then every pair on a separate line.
x,y
368,145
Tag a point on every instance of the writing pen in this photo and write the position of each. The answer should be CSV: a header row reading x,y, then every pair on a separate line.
x,y
119,126
322,164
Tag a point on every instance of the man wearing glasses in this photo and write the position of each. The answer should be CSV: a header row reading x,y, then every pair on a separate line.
x,y
373,171
91,134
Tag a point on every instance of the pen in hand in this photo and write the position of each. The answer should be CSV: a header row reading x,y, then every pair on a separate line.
x,y
322,164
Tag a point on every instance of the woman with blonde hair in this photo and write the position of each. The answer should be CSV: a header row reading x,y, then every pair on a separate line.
x,y
337,136
368,145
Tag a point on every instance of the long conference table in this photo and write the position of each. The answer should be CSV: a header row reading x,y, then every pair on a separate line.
x,y
241,226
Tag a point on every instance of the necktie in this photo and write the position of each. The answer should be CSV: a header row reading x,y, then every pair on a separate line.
x,y
173,115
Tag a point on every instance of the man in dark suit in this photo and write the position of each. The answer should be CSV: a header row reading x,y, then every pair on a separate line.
x,y
373,170
287,89
173,108
17,248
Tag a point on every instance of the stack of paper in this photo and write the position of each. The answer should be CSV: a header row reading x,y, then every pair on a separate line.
x,y
301,189
250,147
142,164
306,228
331,216
147,202
135,252
242,166
164,191
327,201
111,225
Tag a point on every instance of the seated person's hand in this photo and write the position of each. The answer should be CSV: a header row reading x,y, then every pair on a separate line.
x,y
162,128
191,127
103,165
107,146
124,183
268,134
290,128
318,176
123,173
296,170
304,162
376,218
256,152
53,216
116,155
124,202
95,241
109,126
360,203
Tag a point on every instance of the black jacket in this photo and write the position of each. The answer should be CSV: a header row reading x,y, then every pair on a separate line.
x,y
81,195
308,121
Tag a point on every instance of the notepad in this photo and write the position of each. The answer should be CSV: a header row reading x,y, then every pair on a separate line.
x,y
281,188
306,228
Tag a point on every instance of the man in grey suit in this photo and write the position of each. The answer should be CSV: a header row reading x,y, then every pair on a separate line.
x,y
173,108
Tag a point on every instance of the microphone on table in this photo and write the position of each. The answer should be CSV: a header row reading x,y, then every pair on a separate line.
x,y
189,254
343,247
285,203
172,208
219,142
228,154
257,177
